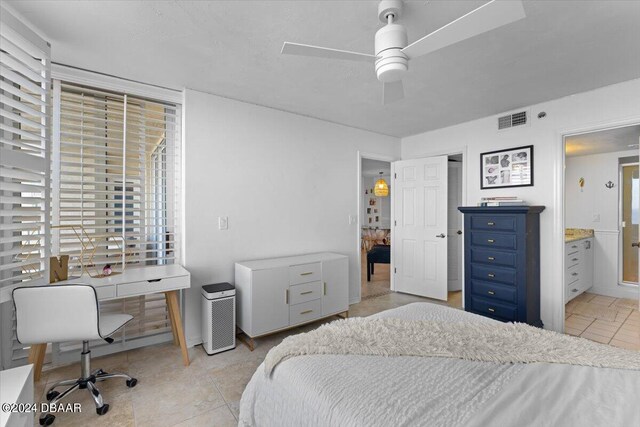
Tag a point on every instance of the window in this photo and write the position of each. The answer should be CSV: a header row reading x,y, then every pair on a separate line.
x,y
24,168
117,177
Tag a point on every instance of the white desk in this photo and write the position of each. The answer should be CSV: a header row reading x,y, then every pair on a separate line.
x,y
168,279
16,387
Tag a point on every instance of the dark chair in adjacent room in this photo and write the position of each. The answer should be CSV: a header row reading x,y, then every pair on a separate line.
x,y
379,254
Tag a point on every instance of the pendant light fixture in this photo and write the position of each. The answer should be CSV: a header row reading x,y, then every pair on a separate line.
x,y
381,188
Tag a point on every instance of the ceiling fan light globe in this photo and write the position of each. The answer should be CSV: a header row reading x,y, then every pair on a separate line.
x,y
391,66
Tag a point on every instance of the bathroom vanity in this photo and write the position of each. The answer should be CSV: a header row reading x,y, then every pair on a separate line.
x,y
578,262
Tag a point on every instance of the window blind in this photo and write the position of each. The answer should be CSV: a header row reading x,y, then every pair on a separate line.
x,y
25,84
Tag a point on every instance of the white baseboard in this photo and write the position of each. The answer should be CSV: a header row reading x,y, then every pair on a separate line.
x,y
615,292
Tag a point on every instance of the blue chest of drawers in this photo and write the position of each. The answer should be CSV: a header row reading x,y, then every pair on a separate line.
x,y
502,262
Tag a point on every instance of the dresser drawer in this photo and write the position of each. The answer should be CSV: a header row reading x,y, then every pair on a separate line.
x,y
571,248
305,273
305,292
573,259
497,310
491,257
494,240
572,274
573,290
105,292
494,291
305,312
493,274
493,222
150,286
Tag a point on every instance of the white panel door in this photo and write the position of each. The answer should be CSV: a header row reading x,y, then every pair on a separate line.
x,y
420,226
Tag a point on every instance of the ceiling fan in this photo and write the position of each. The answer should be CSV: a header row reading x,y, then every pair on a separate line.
x,y
393,52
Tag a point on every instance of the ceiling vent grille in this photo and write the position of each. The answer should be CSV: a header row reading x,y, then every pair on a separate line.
x,y
512,120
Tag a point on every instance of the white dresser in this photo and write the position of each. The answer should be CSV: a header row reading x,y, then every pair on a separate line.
x,y
579,267
16,389
278,293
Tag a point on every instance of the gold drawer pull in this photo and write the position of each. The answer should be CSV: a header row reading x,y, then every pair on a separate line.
x,y
324,288
306,312
490,240
491,292
491,223
286,296
306,274
306,293
492,275
491,258
492,309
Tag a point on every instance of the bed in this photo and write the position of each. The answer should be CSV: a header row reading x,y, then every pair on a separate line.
x,y
351,390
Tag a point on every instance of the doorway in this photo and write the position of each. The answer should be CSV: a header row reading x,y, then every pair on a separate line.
x,y
601,207
375,230
455,241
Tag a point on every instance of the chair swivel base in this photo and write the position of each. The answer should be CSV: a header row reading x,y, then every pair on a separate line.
x,y
86,381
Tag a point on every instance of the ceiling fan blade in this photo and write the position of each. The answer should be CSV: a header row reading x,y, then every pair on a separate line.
x,y
324,52
487,17
392,92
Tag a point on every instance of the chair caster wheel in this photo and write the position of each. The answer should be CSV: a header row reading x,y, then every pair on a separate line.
x,y
101,372
47,420
103,409
132,382
52,395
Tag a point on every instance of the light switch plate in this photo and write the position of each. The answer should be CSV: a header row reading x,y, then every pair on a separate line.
x,y
352,219
223,223
596,217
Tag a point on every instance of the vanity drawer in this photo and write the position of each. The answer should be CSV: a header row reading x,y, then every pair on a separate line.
x,y
491,257
105,292
493,274
304,273
571,248
494,240
493,291
150,286
305,292
305,312
572,274
497,310
573,259
493,222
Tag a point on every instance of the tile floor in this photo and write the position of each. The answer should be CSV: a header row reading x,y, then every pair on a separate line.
x,y
623,332
207,393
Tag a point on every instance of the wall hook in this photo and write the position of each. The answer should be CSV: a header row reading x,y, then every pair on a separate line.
x,y
609,185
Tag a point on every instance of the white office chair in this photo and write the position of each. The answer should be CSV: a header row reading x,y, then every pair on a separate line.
x,y
60,313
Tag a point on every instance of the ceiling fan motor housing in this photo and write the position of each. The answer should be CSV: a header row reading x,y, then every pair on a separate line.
x,y
391,62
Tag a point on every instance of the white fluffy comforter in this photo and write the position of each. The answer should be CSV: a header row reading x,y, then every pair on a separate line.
x,y
351,390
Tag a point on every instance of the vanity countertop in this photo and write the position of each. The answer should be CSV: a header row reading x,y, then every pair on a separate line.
x,y
574,234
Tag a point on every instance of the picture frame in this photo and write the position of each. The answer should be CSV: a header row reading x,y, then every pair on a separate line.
x,y
508,168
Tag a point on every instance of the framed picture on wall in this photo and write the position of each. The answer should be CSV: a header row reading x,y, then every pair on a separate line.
x,y
507,168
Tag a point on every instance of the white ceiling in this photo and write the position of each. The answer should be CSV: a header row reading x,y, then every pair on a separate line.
x,y
606,141
232,48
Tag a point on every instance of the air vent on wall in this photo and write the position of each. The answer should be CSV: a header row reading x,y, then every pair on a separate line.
x,y
512,120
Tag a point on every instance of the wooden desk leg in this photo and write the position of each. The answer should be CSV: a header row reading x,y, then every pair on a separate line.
x,y
36,357
174,310
176,340
246,340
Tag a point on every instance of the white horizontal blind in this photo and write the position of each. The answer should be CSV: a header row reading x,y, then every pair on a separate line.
x,y
116,174
25,85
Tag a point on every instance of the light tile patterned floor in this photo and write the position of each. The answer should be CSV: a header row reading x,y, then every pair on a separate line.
x,y
622,332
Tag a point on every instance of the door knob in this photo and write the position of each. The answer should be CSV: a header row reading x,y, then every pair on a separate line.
x,y
635,245
459,232
441,235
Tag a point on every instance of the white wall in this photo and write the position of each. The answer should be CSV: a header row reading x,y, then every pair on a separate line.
x,y
578,112
596,199
288,184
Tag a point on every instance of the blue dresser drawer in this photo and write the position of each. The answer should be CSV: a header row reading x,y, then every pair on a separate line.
x,y
493,274
493,222
491,257
494,291
494,240
497,310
